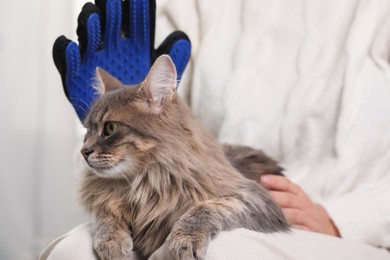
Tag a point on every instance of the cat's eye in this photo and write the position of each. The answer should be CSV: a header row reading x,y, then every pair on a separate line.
x,y
110,127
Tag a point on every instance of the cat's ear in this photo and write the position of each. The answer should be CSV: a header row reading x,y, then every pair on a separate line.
x,y
159,87
105,82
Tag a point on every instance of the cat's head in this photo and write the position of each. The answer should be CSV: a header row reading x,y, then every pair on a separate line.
x,y
124,123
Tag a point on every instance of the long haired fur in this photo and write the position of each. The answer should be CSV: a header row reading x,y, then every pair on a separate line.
x,y
155,174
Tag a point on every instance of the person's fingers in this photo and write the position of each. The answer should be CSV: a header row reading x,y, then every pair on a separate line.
x,y
178,46
302,227
101,5
294,216
113,23
279,183
297,217
285,199
62,55
141,21
89,29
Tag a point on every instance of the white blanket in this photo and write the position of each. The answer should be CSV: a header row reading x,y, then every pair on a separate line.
x,y
306,81
234,245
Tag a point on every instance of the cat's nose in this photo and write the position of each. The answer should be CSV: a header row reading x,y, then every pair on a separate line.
x,y
86,152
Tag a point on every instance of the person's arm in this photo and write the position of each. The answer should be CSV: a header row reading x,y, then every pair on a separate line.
x,y
363,214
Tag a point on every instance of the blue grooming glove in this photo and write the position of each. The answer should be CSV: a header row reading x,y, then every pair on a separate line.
x,y
117,36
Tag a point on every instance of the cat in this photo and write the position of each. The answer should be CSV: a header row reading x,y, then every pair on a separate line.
x,y
154,174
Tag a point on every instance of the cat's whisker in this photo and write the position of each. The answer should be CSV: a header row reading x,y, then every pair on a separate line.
x,y
126,178
76,106
86,108
88,105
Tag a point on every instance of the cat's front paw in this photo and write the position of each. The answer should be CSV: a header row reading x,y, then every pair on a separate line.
x,y
186,245
117,246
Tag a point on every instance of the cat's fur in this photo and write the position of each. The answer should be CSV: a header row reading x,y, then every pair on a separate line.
x,y
251,163
160,176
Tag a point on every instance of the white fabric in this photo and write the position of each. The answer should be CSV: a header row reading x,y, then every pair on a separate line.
x,y
234,245
309,83
75,245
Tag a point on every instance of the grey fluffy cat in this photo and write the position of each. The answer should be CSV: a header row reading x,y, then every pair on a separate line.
x,y
156,175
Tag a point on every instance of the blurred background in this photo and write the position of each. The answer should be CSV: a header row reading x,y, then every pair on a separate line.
x,y
40,134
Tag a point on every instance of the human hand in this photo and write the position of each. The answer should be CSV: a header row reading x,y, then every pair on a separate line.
x,y
299,209
117,36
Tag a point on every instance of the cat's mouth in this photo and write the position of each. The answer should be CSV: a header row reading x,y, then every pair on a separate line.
x,y
102,161
100,168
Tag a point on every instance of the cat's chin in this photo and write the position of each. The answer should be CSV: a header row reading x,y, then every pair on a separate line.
x,y
117,171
